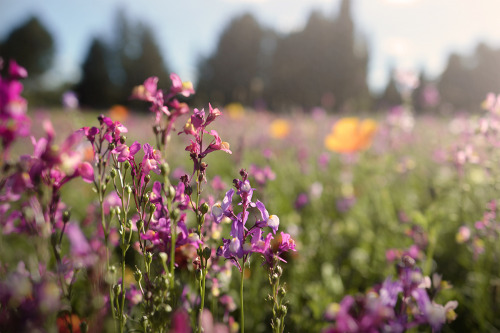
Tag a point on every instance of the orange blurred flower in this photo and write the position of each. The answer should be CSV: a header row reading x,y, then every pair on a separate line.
x,y
118,113
280,128
350,135
65,321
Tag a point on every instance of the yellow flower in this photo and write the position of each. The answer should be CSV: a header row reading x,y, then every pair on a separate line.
x,y
235,110
280,128
351,135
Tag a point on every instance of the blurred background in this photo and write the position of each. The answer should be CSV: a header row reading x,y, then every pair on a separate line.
x,y
341,55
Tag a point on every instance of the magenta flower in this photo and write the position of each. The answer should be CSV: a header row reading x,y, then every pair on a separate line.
x,y
16,71
13,120
125,152
218,144
151,160
179,87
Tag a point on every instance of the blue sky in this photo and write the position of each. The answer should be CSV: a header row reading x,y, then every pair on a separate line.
x,y
406,34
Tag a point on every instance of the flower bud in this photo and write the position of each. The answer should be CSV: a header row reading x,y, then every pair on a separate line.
x,y
174,214
165,169
147,178
123,138
163,257
107,179
204,208
170,192
278,270
282,310
199,274
126,165
140,225
111,146
117,289
137,275
281,292
149,258
66,216
207,253
152,208
113,173
128,189
274,278
129,224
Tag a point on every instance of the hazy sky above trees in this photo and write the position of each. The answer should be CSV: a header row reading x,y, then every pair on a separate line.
x,y
408,34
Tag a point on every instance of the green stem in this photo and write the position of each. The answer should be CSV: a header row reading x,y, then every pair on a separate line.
x,y
122,305
430,251
106,235
173,239
242,313
202,295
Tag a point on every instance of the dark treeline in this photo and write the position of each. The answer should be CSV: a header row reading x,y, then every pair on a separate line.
x,y
325,64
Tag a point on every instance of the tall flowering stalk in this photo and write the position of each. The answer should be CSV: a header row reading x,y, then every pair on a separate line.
x,y
245,239
166,107
196,127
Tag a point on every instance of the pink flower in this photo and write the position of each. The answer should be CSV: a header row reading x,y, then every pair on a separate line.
x,y
125,152
179,87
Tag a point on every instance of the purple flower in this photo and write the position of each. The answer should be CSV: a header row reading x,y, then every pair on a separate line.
x,y
81,251
271,221
70,100
223,209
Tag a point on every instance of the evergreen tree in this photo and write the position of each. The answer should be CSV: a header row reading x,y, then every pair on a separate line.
x,y
31,45
324,59
455,83
391,96
95,88
137,57
235,71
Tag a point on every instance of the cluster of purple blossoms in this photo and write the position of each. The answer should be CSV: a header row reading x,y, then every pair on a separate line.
x,y
247,240
27,300
49,167
485,230
394,306
159,231
149,92
13,119
162,105
261,175
196,127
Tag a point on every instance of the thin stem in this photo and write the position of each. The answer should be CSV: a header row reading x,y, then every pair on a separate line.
x,y
242,313
173,240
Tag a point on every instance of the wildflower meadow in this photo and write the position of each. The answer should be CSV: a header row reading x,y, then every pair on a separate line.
x,y
212,218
